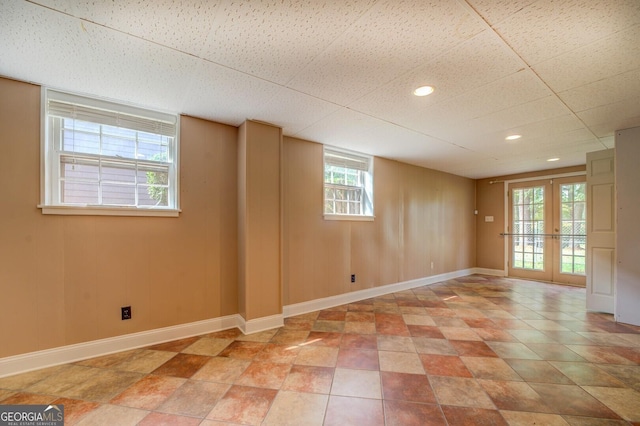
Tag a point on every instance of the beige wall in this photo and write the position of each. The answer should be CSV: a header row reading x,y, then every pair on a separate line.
x,y
421,216
63,279
259,220
490,202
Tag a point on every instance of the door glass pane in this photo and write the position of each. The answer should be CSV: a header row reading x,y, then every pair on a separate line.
x,y
528,225
573,228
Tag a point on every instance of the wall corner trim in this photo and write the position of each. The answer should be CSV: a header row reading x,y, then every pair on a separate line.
x,y
261,324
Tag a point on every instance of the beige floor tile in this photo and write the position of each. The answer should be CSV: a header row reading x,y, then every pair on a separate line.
x,y
297,408
144,361
396,343
319,356
461,392
521,418
221,369
356,383
415,319
109,415
625,402
460,333
207,346
400,362
490,368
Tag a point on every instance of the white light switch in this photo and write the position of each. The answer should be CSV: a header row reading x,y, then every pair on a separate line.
x,y
488,218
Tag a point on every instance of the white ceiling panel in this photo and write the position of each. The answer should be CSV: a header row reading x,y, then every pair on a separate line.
x,y
606,119
274,40
294,111
565,74
180,25
350,129
545,131
495,11
220,94
549,28
39,45
603,92
448,119
393,38
472,64
139,72
604,58
519,115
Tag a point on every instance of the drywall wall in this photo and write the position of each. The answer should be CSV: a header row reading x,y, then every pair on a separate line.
x,y
63,279
422,218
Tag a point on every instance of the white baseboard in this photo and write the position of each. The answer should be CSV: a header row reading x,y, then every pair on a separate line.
x,y
72,353
66,354
355,296
492,272
261,324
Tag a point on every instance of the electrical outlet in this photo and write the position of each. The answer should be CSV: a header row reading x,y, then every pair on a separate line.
x,y
353,278
126,312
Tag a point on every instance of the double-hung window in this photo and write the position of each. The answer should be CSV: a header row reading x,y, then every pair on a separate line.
x,y
101,157
348,185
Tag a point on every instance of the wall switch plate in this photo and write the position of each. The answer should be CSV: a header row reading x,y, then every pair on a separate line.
x,y
488,218
126,312
353,278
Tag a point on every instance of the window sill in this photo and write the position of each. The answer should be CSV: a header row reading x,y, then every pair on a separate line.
x,y
107,211
351,217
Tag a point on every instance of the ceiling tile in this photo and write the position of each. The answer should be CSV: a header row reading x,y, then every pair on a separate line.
x,y
43,46
606,119
549,28
139,71
604,58
393,38
545,131
603,92
531,112
182,25
220,94
274,40
472,64
445,119
294,111
494,11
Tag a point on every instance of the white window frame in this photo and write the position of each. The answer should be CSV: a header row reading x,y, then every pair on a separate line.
x,y
352,161
68,105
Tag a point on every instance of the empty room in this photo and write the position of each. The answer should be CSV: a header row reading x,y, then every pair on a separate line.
x,y
366,212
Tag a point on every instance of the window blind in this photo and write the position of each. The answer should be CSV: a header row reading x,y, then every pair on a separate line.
x,y
345,159
65,105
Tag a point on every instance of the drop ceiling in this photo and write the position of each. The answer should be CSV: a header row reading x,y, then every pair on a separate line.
x,y
563,74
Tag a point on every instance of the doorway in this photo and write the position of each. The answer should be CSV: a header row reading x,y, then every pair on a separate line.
x,y
547,230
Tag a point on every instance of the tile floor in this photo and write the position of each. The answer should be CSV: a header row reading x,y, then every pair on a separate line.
x,y
471,351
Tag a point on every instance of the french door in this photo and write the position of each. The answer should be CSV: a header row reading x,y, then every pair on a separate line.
x,y
547,230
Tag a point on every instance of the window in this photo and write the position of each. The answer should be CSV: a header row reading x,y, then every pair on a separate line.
x,y
106,158
348,185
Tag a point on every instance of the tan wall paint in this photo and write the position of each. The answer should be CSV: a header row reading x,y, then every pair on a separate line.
x,y
421,216
63,279
259,226
490,202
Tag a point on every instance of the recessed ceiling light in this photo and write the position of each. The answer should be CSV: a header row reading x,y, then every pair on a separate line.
x,y
423,91
553,159
513,137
